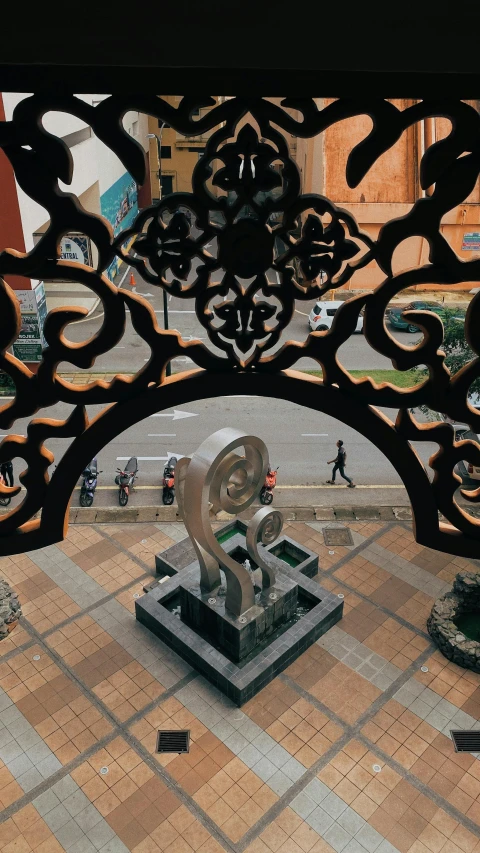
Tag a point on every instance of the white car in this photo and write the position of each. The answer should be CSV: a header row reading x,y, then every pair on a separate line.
x,y
321,316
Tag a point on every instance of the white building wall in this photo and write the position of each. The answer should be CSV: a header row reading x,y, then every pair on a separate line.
x,y
93,161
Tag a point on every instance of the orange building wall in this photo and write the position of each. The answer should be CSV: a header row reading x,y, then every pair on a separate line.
x,y
389,189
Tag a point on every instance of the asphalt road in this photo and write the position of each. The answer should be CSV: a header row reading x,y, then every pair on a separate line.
x,y
132,352
299,440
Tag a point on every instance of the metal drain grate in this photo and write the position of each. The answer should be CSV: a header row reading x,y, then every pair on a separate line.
x,y
337,536
173,741
466,740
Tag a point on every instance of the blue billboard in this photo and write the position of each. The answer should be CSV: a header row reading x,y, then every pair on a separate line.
x,y
119,204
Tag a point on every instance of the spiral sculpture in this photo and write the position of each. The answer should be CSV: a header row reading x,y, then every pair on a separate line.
x,y
219,477
266,526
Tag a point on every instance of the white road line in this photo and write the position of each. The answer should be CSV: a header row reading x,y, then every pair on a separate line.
x,y
177,415
143,458
12,434
118,347
313,434
123,276
160,311
162,435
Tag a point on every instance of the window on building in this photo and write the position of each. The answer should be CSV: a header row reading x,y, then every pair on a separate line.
x,y
196,150
72,139
134,128
167,184
166,152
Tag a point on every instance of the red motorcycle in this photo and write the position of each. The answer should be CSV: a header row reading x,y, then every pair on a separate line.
x,y
125,480
168,482
266,495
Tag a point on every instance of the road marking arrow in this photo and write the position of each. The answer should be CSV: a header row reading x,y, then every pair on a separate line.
x,y
177,415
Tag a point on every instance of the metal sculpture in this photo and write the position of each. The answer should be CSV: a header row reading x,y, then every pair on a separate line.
x,y
261,223
217,477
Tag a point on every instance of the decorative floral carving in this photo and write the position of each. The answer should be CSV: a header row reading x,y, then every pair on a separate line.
x,y
244,256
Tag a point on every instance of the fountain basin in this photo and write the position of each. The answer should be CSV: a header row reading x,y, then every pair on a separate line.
x,y
297,556
454,623
239,680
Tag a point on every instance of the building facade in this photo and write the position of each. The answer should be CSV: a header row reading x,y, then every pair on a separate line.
x,y
102,185
390,189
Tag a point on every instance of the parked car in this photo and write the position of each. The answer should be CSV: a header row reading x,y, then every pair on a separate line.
x,y
321,316
469,473
394,314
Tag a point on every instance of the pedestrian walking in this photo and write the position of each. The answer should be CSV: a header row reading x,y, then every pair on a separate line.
x,y
6,470
339,465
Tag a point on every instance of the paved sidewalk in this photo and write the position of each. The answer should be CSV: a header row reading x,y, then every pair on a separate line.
x,y
347,750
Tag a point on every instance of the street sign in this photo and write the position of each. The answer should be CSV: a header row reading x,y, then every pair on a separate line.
x,y
471,241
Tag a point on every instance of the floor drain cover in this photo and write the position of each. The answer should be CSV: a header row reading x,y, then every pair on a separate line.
x,y
466,740
337,536
173,741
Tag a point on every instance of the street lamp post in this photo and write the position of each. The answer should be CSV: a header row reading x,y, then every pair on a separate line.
x,y
159,155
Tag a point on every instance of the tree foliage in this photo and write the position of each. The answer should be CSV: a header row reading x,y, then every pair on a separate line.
x,y
457,351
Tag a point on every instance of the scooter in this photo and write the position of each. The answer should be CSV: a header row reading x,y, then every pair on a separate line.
x,y
125,480
266,494
4,499
168,482
90,477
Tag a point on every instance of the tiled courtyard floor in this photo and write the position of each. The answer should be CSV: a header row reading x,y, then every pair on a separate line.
x,y
347,750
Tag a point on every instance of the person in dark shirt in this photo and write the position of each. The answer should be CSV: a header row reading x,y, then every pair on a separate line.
x,y
339,465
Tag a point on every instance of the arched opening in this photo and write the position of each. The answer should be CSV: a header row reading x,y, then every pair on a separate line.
x,y
293,386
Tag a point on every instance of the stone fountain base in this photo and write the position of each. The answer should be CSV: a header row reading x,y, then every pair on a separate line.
x,y
159,610
463,598
206,612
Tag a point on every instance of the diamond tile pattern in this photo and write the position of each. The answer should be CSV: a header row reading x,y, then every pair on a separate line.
x,y
347,750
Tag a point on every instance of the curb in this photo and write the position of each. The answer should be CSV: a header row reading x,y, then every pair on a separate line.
x,y
169,514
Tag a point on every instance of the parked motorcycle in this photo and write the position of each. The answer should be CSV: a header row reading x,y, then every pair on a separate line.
x,y
266,494
125,480
90,477
168,482
4,499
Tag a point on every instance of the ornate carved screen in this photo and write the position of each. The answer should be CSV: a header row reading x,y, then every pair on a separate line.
x,y
259,220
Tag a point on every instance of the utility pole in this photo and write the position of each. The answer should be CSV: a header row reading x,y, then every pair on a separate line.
x,y
159,155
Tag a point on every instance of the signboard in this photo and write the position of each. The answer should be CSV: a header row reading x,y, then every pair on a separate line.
x,y
119,204
33,309
471,241
76,247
